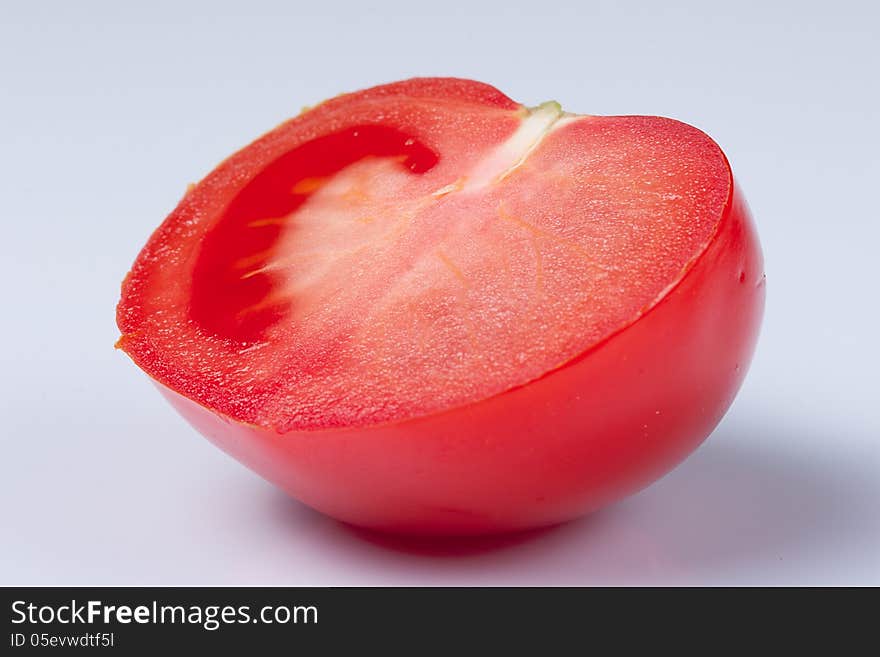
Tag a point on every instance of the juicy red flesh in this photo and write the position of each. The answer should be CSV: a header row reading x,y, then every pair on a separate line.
x,y
229,302
355,267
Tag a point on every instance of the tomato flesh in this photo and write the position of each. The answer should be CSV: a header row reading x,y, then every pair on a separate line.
x,y
373,282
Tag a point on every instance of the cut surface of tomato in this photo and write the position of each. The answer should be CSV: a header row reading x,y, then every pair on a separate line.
x,y
422,246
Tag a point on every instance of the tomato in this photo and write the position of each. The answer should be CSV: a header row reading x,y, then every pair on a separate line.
x,y
426,308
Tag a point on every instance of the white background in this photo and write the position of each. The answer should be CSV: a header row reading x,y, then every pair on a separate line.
x,y
109,109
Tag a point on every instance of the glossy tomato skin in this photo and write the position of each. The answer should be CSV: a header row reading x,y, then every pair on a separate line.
x,y
598,428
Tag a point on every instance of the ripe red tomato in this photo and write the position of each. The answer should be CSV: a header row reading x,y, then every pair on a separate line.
x,y
426,308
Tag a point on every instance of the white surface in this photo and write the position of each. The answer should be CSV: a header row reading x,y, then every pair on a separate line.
x,y
108,110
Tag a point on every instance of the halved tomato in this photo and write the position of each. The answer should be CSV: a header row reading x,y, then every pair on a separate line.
x,y
426,308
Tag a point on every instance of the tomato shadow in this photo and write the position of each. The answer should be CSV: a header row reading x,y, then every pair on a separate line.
x,y
450,547
741,506
739,510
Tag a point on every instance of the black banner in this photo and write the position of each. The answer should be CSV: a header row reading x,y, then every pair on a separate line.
x,y
128,620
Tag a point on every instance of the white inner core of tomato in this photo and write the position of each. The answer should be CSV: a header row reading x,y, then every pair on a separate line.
x,y
347,232
510,154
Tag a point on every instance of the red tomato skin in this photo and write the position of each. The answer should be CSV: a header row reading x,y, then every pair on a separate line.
x,y
600,427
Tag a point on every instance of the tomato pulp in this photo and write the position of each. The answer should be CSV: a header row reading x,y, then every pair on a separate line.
x,y
426,308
